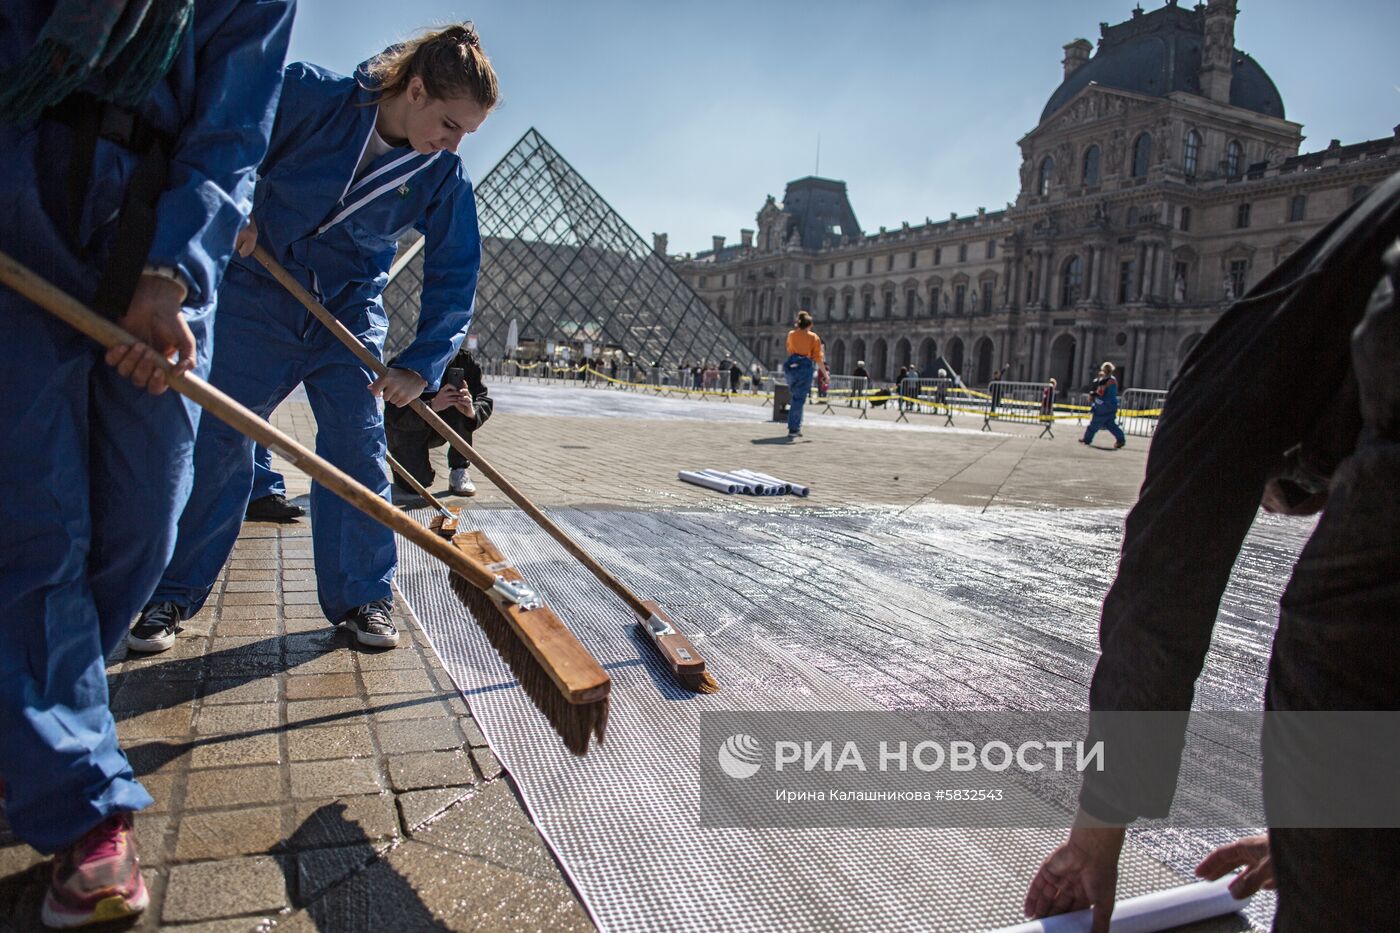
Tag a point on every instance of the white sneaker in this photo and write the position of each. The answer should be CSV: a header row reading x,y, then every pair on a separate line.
x,y
459,483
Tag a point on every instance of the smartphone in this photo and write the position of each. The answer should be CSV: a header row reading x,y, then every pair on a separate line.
x,y
455,377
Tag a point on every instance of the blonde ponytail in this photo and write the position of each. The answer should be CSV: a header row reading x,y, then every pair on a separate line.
x,y
449,61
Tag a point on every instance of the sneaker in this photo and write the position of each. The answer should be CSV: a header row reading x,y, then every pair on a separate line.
x,y
1120,445
459,483
155,629
371,625
96,879
273,509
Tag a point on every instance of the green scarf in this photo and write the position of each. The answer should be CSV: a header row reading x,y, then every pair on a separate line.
x,y
130,43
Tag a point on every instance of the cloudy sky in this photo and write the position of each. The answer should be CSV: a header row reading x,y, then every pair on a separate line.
x,y
686,115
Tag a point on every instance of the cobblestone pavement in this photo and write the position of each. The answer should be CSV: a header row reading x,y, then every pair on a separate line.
x,y
305,784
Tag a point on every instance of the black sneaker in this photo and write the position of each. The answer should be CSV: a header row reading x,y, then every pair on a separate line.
x,y
273,509
371,625
155,629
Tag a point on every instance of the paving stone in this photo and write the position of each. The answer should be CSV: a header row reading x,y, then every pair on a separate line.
x,y
398,681
18,857
235,751
187,669
333,711
233,787
239,665
156,723
234,832
299,564
248,613
469,727
300,598
299,586
339,661
303,611
316,640
250,599
320,869
309,623
150,837
235,925
233,690
336,778
238,562
245,628
418,735
225,888
398,709
344,821
419,806
225,718
394,659
429,769
200,626
348,739
158,756
255,585
161,787
317,686
247,644
491,824
232,574
487,763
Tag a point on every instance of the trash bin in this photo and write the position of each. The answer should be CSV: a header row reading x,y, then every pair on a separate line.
x,y
782,398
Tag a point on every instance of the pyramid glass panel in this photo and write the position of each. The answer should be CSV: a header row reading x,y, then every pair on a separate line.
x,y
560,263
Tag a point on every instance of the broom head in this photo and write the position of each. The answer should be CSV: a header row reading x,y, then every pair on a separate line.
x,y
557,673
677,651
442,525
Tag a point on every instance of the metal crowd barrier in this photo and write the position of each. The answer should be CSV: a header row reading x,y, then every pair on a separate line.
x,y
1139,410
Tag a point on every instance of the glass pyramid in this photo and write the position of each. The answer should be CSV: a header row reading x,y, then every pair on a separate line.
x,y
562,266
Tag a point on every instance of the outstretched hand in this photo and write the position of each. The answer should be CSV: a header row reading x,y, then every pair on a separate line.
x,y
1250,853
155,318
1079,874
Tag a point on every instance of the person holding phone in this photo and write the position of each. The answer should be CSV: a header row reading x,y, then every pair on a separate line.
x,y
464,403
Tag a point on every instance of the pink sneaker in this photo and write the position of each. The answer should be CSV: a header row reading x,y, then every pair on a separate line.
x,y
97,879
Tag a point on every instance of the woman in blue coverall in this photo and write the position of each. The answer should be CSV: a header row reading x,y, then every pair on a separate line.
x,y
353,165
94,470
1103,408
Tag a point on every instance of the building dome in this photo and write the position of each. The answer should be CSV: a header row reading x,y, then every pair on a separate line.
x,y
1160,52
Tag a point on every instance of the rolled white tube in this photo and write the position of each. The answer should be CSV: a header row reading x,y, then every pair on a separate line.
x,y
709,482
1148,913
783,486
747,486
793,488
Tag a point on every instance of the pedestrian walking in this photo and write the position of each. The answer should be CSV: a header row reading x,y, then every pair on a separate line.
x,y
804,359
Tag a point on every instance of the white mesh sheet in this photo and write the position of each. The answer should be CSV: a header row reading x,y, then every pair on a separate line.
x,y
943,608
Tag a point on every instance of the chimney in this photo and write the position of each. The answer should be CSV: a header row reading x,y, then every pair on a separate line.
x,y
746,238
1218,56
658,244
1076,55
719,243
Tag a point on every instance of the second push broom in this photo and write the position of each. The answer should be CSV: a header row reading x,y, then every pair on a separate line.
x,y
674,647
565,682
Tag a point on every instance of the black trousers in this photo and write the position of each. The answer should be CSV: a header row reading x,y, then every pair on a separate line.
x,y
410,438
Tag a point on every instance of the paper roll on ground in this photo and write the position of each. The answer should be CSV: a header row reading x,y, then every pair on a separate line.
x,y
709,482
1150,913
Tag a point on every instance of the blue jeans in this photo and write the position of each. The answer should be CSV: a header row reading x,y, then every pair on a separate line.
x,y
266,480
799,371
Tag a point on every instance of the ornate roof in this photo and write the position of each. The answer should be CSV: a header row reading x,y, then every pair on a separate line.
x,y
1159,52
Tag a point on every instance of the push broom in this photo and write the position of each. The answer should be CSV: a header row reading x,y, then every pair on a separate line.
x,y
445,521
564,681
675,649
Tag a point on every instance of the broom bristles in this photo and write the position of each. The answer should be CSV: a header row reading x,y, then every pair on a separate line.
x,y
574,722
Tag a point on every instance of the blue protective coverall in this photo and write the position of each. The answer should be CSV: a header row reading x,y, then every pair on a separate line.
x,y
1103,410
266,480
337,235
93,471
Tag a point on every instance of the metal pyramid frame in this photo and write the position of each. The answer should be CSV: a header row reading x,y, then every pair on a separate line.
x,y
568,270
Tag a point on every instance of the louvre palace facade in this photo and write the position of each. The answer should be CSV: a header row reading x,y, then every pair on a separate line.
x,y
1162,181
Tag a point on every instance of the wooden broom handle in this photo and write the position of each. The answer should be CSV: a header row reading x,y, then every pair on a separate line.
x,y
458,443
418,487
64,306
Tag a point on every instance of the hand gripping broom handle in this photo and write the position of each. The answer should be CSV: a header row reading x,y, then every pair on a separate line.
x,y
355,346
567,663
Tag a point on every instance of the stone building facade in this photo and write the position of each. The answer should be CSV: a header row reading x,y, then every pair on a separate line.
x,y
1162,181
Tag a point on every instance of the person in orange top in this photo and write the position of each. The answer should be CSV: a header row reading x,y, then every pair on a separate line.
x,y
804,359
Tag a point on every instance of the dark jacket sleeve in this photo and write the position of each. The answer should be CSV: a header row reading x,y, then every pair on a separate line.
x,y
1223,430
481,398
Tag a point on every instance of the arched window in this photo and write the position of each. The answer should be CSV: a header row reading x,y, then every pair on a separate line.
x,y
1091,165
1142,155
1234,154
1072,281
1047,168
1191,153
